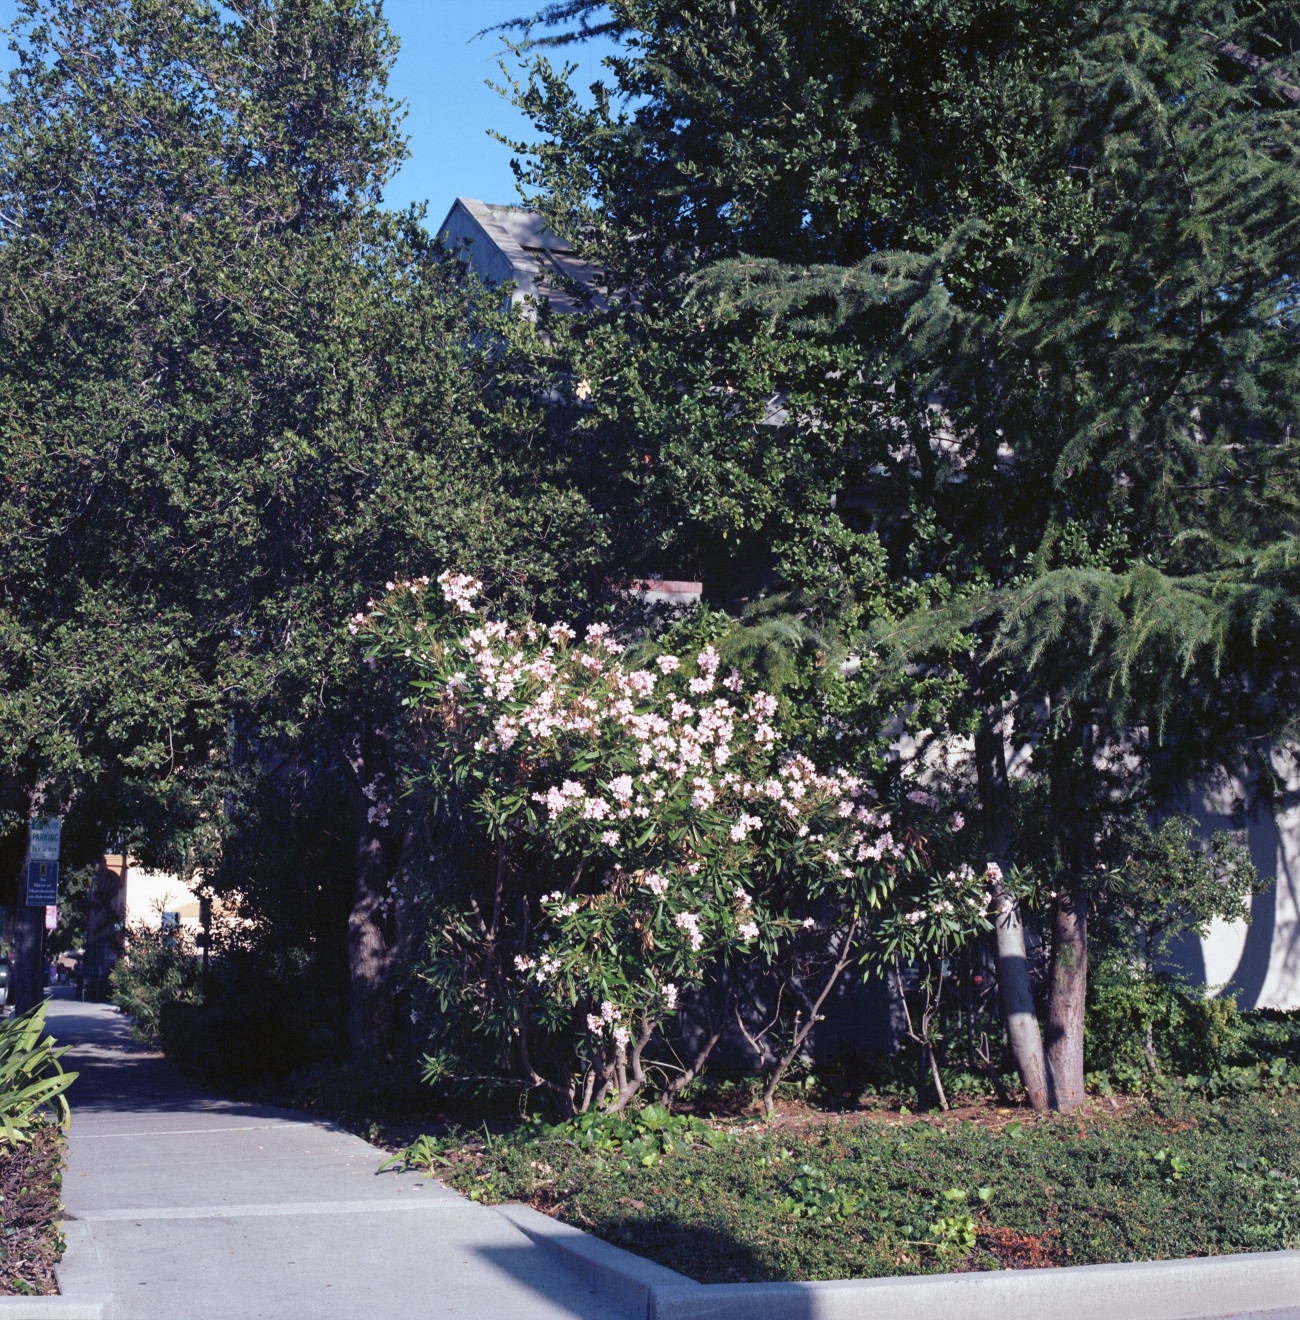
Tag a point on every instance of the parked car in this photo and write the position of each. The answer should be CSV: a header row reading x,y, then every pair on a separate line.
x,y
6,973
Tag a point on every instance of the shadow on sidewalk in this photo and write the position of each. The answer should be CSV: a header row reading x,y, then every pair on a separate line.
x,y
116,1073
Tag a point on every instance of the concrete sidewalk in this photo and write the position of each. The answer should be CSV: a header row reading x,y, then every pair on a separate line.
x,y
186,1206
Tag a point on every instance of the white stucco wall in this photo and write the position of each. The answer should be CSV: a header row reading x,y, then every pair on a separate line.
x,y
151,893
1259,960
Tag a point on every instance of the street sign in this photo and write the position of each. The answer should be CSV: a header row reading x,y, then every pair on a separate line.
x,y
42,884
51,918
46,833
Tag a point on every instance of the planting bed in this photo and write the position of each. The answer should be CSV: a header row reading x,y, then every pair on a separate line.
x,y
31,1238
879,1192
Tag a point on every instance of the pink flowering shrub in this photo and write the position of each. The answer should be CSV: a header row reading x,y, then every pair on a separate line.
x,y
617,831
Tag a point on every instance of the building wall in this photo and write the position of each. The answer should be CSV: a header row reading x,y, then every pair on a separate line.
x,y
1257,958
151,893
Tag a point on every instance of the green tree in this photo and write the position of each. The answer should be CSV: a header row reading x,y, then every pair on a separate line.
x,y
237,397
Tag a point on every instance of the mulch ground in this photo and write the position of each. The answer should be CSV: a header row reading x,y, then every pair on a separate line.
x,y
31,1239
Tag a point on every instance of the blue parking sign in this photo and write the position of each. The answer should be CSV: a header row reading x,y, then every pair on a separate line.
x,y
42,884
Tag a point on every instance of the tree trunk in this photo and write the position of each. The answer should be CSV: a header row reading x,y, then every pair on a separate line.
x,y
373,941
28,974
1069,984
374,923
1015,994
1072,790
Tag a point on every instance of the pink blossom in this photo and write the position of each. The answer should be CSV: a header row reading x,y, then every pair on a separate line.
x,y
763,705
690,923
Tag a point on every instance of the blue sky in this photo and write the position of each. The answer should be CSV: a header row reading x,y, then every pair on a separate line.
x,y
442,74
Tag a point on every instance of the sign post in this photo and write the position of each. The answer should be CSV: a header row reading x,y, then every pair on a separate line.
x,y
39,890
42,884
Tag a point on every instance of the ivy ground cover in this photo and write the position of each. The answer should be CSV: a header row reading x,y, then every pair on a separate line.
x,y
893,1195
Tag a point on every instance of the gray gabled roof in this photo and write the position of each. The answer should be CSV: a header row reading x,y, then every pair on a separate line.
x,y
511,243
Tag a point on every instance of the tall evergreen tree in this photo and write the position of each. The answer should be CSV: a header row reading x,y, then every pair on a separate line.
x,y
1024,278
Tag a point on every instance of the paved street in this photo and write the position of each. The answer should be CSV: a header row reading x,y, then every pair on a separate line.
x,y
198,1207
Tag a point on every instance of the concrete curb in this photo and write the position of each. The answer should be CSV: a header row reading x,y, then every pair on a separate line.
x,y
621,1278
56,1308
1148,1290
84,1290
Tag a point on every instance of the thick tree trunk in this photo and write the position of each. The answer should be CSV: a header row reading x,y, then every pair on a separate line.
x,y
28,975
1015,993
1072,800
1065,1007
375,945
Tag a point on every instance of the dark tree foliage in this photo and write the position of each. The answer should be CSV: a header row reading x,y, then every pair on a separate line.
x,y
236,397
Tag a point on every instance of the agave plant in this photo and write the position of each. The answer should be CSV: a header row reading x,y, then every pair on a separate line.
x,y
31,1077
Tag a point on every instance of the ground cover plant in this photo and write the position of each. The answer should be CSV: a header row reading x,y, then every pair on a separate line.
x,y
888,1193
31,1237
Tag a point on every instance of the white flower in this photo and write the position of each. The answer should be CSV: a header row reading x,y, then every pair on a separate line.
x,y
669,992
748,931
690,923
609,838
956,822
667,663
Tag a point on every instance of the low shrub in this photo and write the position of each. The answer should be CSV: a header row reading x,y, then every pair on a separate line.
x,y
32,1080
1140,1024
160,968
